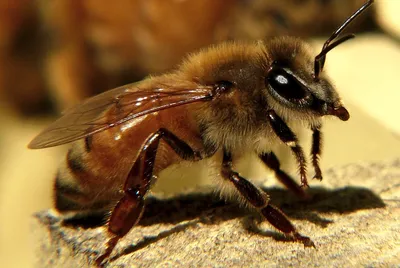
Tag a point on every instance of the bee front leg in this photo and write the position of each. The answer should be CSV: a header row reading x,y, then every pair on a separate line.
x,y
271,161
316,151
130,207
260,200
289,138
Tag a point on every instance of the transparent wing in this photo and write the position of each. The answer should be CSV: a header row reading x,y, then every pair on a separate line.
x,y
113,108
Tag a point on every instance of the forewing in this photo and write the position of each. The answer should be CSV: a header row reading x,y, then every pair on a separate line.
x,y
113,108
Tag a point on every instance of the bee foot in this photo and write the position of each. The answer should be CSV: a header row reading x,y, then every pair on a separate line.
x,y
317,177
307,242
304,185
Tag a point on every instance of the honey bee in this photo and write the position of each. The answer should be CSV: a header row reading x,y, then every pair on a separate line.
x,y
226,100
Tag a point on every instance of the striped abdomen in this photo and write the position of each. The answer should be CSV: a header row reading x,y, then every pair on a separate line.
x,y
93,174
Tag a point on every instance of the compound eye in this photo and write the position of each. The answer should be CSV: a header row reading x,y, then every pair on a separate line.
x,y
286,85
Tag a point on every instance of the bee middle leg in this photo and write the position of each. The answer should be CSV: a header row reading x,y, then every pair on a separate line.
x,y
130,207
260,200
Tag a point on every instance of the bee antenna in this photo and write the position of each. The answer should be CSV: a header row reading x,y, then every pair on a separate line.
x,y
321,57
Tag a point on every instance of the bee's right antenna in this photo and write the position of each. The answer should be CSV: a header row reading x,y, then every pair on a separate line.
x,y
320,58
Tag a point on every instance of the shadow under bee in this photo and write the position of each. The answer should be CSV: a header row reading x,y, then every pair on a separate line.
x,y
186,211
207,209
340,201
187,207
189,210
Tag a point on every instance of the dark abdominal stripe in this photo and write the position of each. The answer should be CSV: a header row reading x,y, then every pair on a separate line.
x,y
74,162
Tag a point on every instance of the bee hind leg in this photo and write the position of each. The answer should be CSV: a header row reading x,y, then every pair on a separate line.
x,y
260,200
130,207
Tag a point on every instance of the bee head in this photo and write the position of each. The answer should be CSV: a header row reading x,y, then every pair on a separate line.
x,y
295,79
290,81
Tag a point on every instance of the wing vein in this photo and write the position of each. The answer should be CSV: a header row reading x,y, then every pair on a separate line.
x,y
116,107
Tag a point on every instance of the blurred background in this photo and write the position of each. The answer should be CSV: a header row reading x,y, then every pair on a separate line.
x,y
53,54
